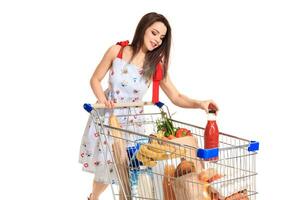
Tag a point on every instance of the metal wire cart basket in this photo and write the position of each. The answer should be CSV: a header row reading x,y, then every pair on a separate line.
x,y
149,166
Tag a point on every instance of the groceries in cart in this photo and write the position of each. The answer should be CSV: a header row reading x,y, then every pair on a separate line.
x,y
187,184
152,152
184,175
173,162
166,129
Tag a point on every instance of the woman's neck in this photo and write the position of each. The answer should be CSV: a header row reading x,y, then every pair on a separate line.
x,y
143,50
139,57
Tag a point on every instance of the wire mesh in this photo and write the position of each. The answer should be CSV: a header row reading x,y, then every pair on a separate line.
x,y
148,175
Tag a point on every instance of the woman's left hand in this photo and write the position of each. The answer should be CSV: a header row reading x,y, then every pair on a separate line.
x,y
205,105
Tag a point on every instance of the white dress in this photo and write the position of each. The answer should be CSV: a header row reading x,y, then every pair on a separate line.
x,y
126,84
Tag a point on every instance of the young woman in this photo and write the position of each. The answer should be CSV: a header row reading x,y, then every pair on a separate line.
x,y
131,68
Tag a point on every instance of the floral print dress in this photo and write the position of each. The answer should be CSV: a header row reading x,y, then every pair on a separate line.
x,y
126,84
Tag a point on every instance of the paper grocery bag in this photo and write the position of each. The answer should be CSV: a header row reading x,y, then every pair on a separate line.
x,y
190,188
191,153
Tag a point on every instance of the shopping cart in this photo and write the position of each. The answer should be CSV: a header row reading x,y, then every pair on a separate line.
x,y
181,169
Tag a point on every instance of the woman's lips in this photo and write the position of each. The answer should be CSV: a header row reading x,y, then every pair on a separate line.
x,y
153,44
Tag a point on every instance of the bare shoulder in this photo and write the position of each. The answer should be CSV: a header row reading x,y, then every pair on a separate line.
x,y
113,51
127,52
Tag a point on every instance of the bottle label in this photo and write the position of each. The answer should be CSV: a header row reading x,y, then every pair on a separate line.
x,y
211,117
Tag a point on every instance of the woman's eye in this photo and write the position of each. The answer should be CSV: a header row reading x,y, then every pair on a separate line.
x,y
153,33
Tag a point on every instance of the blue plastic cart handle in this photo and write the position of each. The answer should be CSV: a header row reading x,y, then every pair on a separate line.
x,y
159,104
88,107
208,153
254,146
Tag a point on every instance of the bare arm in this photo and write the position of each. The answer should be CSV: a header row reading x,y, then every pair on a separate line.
x,y
181,100
100,73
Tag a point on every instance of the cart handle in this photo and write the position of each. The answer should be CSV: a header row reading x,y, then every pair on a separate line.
x,y
89,107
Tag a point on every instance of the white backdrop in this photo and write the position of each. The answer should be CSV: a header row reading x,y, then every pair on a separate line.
x,y
242,54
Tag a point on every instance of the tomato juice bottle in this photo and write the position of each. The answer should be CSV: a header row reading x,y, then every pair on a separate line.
x,y
211,132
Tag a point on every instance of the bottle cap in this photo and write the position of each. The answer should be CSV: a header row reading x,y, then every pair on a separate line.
x,y
212,108
212,111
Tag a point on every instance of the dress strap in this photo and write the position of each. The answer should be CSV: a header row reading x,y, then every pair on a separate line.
x,y
157,77
122,44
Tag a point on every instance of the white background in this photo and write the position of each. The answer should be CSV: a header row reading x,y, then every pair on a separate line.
x,y
242,54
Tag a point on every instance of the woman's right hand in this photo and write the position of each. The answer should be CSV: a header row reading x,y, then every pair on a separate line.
x,y
108,103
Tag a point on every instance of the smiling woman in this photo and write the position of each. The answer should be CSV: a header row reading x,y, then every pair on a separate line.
x,y
153,38
154,35
131,68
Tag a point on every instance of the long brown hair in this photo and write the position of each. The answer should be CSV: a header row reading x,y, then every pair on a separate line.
x,y
162,52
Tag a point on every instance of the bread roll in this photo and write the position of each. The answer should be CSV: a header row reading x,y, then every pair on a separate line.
x,y
169,173
209,175
184,167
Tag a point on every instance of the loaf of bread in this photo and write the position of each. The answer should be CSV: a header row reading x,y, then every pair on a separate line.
x,y
169,173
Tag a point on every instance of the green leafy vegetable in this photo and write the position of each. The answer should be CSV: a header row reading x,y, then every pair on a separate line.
x,y
166,125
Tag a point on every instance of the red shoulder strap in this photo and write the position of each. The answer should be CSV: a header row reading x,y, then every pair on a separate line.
x,y
122,44
157,77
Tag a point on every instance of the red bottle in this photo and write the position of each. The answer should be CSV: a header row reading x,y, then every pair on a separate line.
x,y
211,133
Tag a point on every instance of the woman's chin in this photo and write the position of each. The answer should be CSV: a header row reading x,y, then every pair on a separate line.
x,y
150,48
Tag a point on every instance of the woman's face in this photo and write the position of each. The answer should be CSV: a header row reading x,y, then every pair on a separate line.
x,y
154,35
